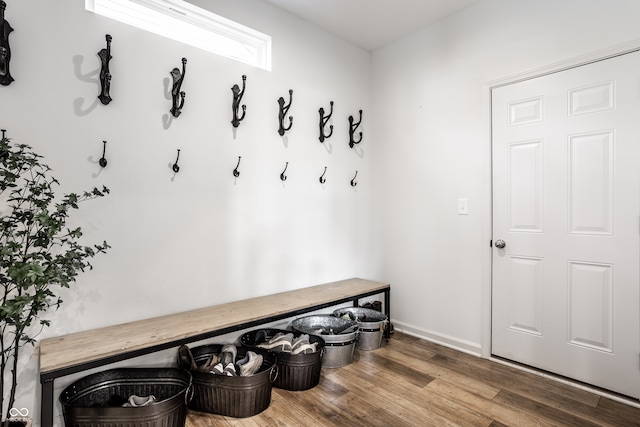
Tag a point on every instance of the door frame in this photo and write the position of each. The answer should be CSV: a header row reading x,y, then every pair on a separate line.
x,y
487,196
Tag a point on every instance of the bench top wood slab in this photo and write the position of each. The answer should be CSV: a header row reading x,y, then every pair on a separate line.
x,y
83,347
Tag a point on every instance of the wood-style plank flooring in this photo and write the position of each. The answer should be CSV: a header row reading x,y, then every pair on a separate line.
x,y
412,382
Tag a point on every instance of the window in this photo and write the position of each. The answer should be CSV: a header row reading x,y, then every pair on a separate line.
x,y
189,24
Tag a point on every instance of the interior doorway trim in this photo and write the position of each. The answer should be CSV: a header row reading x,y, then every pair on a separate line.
x,y
487,196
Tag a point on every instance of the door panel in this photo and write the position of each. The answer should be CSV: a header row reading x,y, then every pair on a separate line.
x,y
525,186
590,167
591,305
525,294
566,199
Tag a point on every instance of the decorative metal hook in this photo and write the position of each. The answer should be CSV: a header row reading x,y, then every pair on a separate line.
x,y
105,74
353,181
352,130
283,177
5,49
4,153
322,179
236,172
103,160
178,95
175,166
283,111
323,122
235,105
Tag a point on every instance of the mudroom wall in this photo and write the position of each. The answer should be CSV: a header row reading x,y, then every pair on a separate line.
x,y
432,147
199,237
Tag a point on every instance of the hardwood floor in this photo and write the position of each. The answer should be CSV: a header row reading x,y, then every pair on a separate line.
x,y
412,382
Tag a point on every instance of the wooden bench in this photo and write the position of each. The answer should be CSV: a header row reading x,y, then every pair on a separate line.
x,y
80,351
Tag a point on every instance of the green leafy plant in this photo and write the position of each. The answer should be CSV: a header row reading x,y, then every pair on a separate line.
x,y
39,254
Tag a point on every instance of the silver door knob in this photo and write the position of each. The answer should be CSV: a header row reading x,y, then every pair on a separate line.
x,y
500,244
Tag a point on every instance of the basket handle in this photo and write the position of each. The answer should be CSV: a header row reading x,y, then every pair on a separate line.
x,y
272,377
350,329
188,394
383,325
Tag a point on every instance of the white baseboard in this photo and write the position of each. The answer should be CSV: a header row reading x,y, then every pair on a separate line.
x,y
442,339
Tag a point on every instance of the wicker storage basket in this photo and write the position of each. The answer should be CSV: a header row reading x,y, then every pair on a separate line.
x,y
296,372
96,400
238,397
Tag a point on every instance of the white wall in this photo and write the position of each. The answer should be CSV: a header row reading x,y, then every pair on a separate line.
x,y
431,146
199,237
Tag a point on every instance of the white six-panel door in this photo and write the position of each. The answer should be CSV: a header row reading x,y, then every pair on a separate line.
x,y
566,203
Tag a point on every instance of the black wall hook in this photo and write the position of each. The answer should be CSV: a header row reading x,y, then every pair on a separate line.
x,y
322,179
352,130
235,105
353,181
4,152
178,95
283,177
103,160
323,122
5,49
282,113
236,172
175,166
105,74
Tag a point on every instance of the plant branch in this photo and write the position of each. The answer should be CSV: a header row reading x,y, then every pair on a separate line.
x,y
37,253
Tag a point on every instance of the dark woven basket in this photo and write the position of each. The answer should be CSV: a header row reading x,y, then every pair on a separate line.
x,y
296,372
96,400
238,397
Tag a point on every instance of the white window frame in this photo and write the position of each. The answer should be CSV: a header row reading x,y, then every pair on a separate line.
x,y
189,24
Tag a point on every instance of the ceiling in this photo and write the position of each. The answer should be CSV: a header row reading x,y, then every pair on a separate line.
x,y
371,24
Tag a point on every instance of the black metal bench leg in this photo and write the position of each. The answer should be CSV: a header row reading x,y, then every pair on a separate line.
x,y
46,408
387,309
